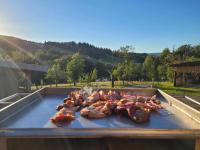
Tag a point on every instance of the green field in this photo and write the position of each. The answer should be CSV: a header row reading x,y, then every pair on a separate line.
x,y
169,88
165,86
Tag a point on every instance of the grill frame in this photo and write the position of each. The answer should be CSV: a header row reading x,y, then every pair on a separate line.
x,y
97,132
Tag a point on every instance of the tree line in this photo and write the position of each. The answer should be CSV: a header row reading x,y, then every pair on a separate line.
x,y
153,68
73,72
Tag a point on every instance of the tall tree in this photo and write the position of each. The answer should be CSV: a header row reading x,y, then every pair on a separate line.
x,y
55,73
183,52
124,52
75,68
93,75
118,72
149,67
162,69
196,51
124,71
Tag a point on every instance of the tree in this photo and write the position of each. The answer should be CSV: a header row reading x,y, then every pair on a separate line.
x,y
183,52
124,71
128,71
137,73
169,74
149,68
162,69
165,53
75,68
55,73
88,77
124,52
93,75
166,57
196,51
85,78
118,72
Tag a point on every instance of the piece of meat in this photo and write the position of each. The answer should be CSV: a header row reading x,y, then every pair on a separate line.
x,y
94,96
77,97
102,95
65,110
59,107
68,103
62,118
66,99
125,102
122,102
78,102
155,100
99,103
113,95
123,105
99,109
141,99
138,115
141,104
92,99
121,110
128,96
107,108
91,112
153,106
64,115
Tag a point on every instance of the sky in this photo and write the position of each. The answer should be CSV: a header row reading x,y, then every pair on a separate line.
x,y
147,25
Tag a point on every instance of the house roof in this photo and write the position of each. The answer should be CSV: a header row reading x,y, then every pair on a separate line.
x,y
22,66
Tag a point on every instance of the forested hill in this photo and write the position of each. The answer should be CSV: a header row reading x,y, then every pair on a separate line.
x,y
9,43
121,63
47,52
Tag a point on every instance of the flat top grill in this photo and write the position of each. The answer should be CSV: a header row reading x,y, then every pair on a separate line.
x,y
37,115
30,117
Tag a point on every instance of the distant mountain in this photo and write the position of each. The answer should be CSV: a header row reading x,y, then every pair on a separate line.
x,y
48,52
154,54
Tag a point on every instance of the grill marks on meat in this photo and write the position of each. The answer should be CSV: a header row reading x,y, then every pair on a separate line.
x,y
101,104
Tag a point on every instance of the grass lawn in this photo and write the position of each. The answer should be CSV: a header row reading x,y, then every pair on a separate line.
x,y
169,88
165,86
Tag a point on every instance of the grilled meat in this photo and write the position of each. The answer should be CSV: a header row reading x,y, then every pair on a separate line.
x,y
64,115
92,112
99,109
100,104
138,114
94,97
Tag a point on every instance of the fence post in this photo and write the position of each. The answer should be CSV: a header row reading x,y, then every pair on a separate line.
x,y
197,144
3,143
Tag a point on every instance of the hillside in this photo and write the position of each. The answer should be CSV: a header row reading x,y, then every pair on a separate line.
x,y
46,52
9,43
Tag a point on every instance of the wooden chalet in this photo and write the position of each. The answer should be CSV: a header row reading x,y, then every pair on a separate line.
x,y
184,70
12,73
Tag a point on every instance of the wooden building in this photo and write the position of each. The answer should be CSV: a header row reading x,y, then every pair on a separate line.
x,y
183,72
13,74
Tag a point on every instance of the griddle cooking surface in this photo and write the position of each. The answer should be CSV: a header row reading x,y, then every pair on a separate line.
x,y
37,115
